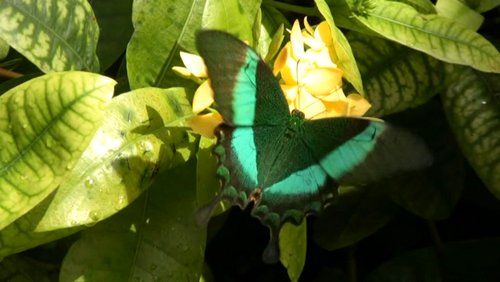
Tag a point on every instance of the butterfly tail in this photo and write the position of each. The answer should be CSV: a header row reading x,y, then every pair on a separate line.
x,y
204,213
271,254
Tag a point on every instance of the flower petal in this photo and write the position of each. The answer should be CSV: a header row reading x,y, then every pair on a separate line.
x,y
290,91
281,59
307,26
289,69
322,81
323,33
203,97
334,96
358,105
309,105
297,50
336,109
194,64
205,124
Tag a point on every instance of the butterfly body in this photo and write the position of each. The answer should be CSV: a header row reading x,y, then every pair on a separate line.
x,y
285,165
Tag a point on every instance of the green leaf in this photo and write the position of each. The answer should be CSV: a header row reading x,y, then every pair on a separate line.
x,y
293,247
232,16
435,35
21,235
395,77
4,49
161,30
55,35
139,137
154,239
114,18
462,261
343,17
355,214
460,13
21,268
271,32
207,182
482,5
45,124
345,58
472,106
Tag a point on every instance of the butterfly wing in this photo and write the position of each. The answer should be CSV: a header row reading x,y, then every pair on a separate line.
x,y
243,84
359,151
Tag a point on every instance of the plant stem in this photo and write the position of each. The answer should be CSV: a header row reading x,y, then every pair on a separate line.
x,y
9,73
308,11
351,264
438,246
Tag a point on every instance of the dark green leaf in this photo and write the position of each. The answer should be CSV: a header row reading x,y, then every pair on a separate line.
x,y
465,261
355,214
472,105
395,77
432,192
114,18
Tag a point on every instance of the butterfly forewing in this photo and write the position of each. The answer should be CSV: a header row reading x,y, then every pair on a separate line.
x,y
246,91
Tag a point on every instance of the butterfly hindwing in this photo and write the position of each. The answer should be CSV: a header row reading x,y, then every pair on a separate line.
x,y
243,84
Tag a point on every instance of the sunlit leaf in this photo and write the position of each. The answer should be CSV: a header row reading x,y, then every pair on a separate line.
x,y
55,35
45,124
161,30
345,58
207,182
293,246
156,238
460,13
140,136
437,36
235,17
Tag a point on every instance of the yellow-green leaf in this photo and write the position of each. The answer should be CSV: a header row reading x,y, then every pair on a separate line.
x,y
55,35
346,60
207,183
293,247
437,36
45,124
460,13
140,137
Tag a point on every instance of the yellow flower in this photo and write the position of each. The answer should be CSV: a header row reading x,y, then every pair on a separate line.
x,y
203,124
311,81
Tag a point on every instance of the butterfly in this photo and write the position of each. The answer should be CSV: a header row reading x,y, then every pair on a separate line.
x,y
284,165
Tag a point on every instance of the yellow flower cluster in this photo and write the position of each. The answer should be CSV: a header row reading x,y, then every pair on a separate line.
x,y
310,79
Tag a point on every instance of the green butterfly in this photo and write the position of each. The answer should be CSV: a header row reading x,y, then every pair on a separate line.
x,y
287,166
